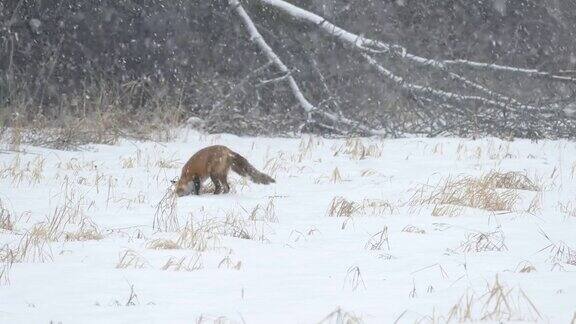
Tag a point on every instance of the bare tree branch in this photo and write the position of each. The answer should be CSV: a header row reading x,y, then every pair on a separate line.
x,y
379,46
489,92
271,55
308,107
431,92
497,67
342,34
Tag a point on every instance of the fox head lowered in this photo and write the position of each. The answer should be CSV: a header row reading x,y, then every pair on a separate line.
x,y
183,189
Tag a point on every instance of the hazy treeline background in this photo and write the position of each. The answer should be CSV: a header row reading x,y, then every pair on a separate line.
x,y
160,62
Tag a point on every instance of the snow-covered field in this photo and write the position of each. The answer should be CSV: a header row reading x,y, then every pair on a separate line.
x,y
360,230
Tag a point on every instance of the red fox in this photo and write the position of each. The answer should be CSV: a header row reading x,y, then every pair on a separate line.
x,y
215,162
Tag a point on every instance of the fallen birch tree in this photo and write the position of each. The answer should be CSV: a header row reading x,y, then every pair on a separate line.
x,y
308,108
469,106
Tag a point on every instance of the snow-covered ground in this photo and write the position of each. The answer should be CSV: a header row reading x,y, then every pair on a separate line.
x,y
352,231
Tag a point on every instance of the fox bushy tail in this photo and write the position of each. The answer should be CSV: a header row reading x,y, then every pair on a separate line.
x,y
241,166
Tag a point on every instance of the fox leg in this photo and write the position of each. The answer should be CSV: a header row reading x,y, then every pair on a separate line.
x,y
196,186
224,181
217,186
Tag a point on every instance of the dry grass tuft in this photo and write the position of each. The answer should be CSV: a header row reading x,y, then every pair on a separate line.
x,y
131,259
201,236
340,207
377,241
306,148
32,247
36,169
236,226
339,316
368,173
17,171
206,234
336,177
168,164
377,207
207,319
510,180
228,263
447,210
16,135
493,192
535,204
357,150
501,303
183,264
438,149
162,244
198,236
265,213
413,229
483,242
87,231
6,263
69,223
567,209
525,267
561,253
6,222
75,165
128,162
353,278
128,202
277,165
498,304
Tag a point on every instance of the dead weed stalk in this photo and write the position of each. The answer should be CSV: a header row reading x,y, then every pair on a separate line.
x,y
341,207
166,217
497,304
483,242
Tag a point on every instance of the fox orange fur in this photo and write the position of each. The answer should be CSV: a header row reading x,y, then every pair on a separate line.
x,y
215,162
